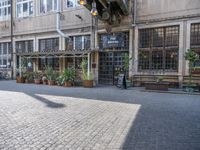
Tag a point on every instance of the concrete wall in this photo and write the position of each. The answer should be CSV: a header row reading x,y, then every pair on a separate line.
x,y
151,10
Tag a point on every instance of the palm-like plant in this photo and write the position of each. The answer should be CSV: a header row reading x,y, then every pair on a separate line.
x,y
68,75
191,57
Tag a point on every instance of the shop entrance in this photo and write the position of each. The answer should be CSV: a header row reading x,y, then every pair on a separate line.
x,y
110,65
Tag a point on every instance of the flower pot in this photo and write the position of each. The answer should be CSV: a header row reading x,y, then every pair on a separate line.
x,y
37,81
87,83
20,79
68,84
51,82
45,82
28,81
160,86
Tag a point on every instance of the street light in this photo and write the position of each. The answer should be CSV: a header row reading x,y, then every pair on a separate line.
x,y
94,11
82,2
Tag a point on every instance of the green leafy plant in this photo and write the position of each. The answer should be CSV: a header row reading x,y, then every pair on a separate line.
x,y
51,74
191,57
159,79
85,75
59,80
37,75
68,75
28,75
127,60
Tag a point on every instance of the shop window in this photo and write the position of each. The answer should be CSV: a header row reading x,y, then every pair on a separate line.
x,y
24,8
5,55
24,46
52,62
49,44
158,48
195,40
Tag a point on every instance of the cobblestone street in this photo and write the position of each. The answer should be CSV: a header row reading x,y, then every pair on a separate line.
x,y
43,117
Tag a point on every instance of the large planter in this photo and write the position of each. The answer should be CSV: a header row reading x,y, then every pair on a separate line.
x,y
160,86
37,81
191,88
20,79
68,84
51,82
137,83
28,81
197,71
87,83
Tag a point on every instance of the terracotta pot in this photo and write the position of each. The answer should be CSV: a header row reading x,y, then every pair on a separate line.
x,y
45,82
51,82
28,81
68,84
88,83
37,81
20,79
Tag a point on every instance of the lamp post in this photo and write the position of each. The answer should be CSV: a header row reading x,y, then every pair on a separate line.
x,y
11,39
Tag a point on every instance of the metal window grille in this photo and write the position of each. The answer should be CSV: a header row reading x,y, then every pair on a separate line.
x,y
158,48
51,44
24,46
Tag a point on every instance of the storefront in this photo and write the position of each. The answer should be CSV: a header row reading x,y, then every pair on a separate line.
x,y
111,56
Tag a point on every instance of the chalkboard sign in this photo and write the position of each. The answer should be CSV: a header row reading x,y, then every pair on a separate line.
x,y
121,82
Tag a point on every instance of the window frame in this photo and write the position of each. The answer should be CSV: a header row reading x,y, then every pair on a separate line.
x,y
21,4
7,7
45,3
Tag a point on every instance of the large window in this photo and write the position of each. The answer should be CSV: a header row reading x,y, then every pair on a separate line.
x,y
49,44
195,40
4,9
52,62
48,5
158,48
5,55
78,43
71,3
24,8
24,46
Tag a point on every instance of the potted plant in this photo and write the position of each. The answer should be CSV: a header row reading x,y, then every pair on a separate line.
x,y
44,80
28,77
191,57
127,60
196,70
37,77
59,80
20,77
86,77
68,77
51,75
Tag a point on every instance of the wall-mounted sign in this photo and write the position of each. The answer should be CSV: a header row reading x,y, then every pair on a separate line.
x,y
116,40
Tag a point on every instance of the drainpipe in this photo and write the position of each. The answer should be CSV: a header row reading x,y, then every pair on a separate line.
x,y
58,20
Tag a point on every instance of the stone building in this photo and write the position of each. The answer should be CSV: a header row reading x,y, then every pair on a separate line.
x,y
154,33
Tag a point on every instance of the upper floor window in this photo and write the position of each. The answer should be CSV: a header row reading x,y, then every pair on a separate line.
x,y
24,8
49,44
4,9
71,3
24,46
78,42
48,5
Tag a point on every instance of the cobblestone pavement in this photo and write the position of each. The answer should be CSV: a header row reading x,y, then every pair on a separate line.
x,y
107,118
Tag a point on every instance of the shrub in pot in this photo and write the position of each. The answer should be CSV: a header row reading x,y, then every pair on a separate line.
x,y
191,57
44,80
68,77
28,77
37,77
59,80
87,78
20,78
51,76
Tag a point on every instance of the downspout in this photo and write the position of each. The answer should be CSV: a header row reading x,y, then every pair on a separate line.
x,y
58,12
135,13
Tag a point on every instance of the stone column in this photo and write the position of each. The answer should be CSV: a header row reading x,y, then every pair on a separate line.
x,y
135,52
131,52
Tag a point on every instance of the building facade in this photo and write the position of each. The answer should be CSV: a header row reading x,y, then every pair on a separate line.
x,y
155,34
